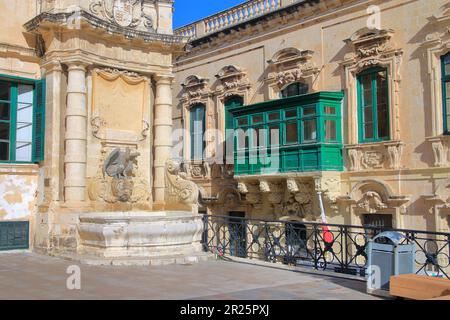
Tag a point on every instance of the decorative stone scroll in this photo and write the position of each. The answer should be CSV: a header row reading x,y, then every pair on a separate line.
x,y
291,65
179,190
376,156
371,48
233,81
120,101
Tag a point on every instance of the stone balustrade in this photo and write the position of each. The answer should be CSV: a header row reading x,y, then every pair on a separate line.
x,y
235,15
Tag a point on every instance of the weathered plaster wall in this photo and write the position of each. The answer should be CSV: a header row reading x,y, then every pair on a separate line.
x,y
18,187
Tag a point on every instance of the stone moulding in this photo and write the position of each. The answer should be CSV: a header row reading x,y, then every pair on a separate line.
x,y
375,156
63,18
144,235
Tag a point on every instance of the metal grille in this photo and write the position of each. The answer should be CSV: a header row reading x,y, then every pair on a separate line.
x,y
14,235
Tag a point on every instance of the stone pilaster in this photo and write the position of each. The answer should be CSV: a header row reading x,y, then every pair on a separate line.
x,y
52,183
163,136
76,134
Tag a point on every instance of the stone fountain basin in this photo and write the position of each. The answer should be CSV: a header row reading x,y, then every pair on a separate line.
x,y
139,234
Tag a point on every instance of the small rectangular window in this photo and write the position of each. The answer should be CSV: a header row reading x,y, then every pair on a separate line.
x,y
274,135
309,130
330,130
330,110
290,114
242,121
274,116
309,111
242,139
291,133
257,119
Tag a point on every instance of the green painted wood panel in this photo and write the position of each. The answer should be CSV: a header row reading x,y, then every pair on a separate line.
x,y
14,235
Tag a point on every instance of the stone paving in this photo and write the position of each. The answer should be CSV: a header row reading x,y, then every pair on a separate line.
x,y
31,276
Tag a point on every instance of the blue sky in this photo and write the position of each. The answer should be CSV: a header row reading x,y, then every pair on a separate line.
x,y
187,11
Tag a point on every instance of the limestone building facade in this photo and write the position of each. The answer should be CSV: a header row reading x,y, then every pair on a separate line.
x,y
86,102
378,153
97,97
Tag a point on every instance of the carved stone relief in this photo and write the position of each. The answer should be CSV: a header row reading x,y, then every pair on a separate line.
x,y
384,155
117,180
124,13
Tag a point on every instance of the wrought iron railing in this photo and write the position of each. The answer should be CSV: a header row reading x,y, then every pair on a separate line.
x,y
336,248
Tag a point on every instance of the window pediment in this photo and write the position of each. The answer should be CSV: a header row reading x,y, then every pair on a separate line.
x,y
370,47
233,79
195,89
291,65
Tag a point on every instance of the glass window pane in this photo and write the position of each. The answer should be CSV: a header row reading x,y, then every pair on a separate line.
x,y
242,121
291,114
310,111
310,130
366,87
23,151
242,139
274,135
257,137
274,116
291,132
368,130
4,131
4,151
368,114
24,132
330,130
5,111
257,119
330,110
5,91
447,95
447,64
382,105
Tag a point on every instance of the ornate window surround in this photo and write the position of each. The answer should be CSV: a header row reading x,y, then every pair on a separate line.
x,y
233,82
195,91
373,48
437,44
288,66
374,196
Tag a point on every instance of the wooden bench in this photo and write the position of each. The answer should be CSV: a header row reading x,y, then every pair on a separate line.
x,y
416,287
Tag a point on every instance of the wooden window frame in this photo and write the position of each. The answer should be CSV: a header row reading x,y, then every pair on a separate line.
x,y
38,111
361,133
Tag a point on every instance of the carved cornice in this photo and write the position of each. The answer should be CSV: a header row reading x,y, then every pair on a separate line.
x,y
63,18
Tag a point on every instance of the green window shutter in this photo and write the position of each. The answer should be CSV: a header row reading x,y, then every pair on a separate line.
x,y
39,122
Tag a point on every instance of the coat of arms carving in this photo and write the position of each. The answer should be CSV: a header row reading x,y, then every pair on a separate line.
x,y
124,13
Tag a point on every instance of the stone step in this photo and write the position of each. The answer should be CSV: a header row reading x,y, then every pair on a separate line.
x,y
141,261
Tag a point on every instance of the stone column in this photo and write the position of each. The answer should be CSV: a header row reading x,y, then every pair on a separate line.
x,y
76,134
163,136
52,183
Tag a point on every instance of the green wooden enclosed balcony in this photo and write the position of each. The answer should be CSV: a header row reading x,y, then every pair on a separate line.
x,y
295,134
